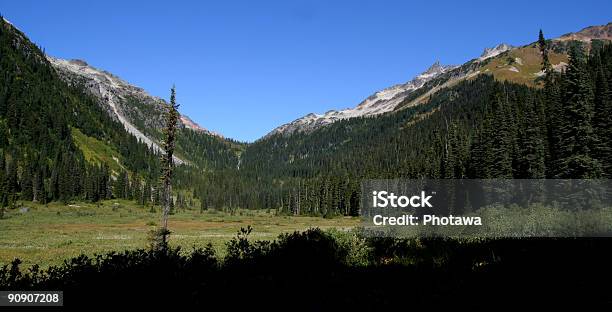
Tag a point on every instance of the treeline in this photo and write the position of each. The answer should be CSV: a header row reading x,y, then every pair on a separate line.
x,y
328,195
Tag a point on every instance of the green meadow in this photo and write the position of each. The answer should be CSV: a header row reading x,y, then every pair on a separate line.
x,y
48,234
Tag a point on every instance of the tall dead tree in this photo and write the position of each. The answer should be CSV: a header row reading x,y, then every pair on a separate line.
x,y
171,118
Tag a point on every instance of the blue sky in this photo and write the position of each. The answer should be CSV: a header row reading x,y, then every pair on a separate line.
x,y
244,67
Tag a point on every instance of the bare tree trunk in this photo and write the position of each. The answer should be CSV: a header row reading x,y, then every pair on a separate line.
x,y
35,188
299,199
166,208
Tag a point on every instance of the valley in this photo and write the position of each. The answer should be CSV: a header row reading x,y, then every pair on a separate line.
x,y
101,135
110,192
48,234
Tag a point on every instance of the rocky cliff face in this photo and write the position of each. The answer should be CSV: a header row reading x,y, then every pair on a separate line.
x,y
495,51
140,113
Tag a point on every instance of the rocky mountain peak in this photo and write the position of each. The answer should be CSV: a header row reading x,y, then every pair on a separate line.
x,y
78,62
378,103
434,70
494,51
435,67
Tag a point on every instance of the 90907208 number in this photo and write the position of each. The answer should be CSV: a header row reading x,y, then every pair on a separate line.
x,y
42,298
36,298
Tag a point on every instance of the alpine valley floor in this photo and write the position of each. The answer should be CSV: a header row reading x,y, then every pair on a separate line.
x,y
47,235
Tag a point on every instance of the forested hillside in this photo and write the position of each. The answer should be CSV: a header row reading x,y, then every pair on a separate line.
x,y
58,143
479,128
37,110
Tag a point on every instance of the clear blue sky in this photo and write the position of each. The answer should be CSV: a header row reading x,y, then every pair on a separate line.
x,y
244,67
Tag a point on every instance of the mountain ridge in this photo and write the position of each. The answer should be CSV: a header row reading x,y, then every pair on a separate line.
x,y
588,33
380,102
383,104
385,100
113,94
453,126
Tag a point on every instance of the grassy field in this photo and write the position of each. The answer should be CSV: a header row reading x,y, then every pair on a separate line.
x,y
97,152
47,235
521,65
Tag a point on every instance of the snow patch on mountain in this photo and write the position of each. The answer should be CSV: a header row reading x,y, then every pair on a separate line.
x,y
518,60
8,22
378,103
556,67
495,51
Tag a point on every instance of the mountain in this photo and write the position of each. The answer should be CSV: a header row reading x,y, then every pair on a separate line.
x,y
139,112
71,131
601,32
382,101
503,61
389,99
486,118
56,142
378,103
495,51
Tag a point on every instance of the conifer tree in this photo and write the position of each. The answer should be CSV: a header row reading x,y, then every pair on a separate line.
x,y
577,140
531,164
501,143
602,120
171,119
120,185
26,182
3,184
551,108
37,187
543,46
12,186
